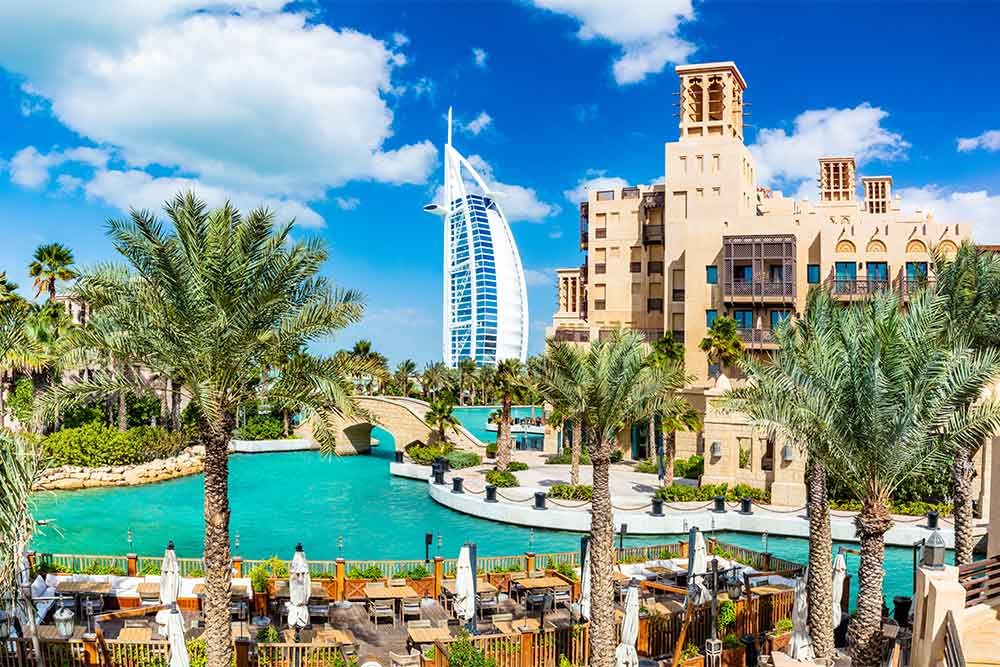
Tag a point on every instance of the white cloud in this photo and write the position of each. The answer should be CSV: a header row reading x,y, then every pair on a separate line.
x,y
519,203
646,32
68,184
399,39
347,203
595,179
978,208
784,158
539,277
235,94
477,124
480,56
988,141
138,189
29,168
423,86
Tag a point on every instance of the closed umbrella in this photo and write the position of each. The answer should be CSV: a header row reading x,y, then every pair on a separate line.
x,y
170,585
465,597
800,646
585,584
661,468
175,638
625,654
697,567
839,574
299,585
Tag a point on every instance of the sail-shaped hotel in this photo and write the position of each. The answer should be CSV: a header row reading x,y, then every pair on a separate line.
x,y
485,296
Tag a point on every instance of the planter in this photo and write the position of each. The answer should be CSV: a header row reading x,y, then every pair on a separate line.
x,y
778,642
259,603
501,580
424,587
330,586
734,657
354,589
573,584
697,661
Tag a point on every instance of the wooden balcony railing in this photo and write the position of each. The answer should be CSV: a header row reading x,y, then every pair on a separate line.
x,y
572,335
635,267
981,581
652,234
600,268
760,289
842,287
757,336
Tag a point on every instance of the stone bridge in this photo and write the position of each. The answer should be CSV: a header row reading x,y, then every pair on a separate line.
x,y
404,419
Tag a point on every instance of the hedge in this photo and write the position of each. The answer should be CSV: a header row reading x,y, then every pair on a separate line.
x,y
262,427
566,456
693,468
677,493
501,479
96,444
570,492
906,508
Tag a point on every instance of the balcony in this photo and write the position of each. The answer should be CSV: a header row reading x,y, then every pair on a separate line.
x,y
635,267
848,288
910,286
599,304
630,193
652,200
758,267
600,268
654,305
760,290
649,335
572,335
758,338
584,224
652,234
601,233
655,268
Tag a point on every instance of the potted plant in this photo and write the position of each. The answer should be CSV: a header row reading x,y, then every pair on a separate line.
x,y
780,636
420,579
357,578
259,578
500,577
734,652
691,657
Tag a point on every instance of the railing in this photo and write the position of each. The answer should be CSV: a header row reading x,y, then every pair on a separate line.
x,y
649,335
541,648
653,200
652,234
601,233
655,268
572,335
839,286
600,268
759,288
911,286
954,656
85,563
981,581
630,193
297,655
757,336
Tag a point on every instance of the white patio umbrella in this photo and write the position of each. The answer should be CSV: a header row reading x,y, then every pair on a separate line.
x,y
697,565
465,599
299,586
170,585
175,639
625,654
839,574
800,646
585,584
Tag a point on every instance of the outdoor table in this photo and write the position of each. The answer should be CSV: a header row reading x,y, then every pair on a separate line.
x,y
376,592
482,586
316,591
148,589
83,589
420,636
659,569
238,592
135,635
49,633
770,589
336,636
517,626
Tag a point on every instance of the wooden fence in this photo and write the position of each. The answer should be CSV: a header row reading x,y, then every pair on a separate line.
x,y
981,581
542,648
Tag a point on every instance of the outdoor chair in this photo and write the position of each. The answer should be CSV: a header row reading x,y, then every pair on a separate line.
x,y
487,602
319,610
397,582
410,607
502,618
562,596
381,609
423,623
411,659
535,601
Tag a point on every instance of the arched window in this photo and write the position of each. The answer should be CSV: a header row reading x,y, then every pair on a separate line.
x,y
846,246
947,248
715,99
875,246
916,246
696,103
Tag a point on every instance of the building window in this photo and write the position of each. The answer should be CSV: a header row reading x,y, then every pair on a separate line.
x,y
635,267
812,274
744,319
776,273
655,268
605,195
598,304
654,305
779,316
710,316
743,274
916,271
712,275
878,273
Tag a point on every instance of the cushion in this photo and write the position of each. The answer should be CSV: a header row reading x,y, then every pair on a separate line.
x,y
38,587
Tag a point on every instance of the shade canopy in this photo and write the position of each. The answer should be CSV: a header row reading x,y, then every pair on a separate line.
x,y
585,584
839,575
465,597
625,653
170,585
175,639
800,647
299,586
697,567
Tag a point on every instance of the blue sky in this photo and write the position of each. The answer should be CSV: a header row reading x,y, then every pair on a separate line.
x,y
334,113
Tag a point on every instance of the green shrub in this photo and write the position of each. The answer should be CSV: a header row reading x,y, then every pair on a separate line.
x,y
667,554
729,642
491,449
149,569
693,468
647,467
680,493
726,615
570,492
782,626
268,635
690,651
258,578
276,567
744,457
459,460
566,458
21,401
156,442
94,444
501,479
195,572
191,415
261,427
196,652
98,568
463,653
909,508
417,572
617,455
89,413
370,572
517,466
142,410
513,567
566,570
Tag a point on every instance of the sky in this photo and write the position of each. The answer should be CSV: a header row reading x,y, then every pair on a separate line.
x,y
333,113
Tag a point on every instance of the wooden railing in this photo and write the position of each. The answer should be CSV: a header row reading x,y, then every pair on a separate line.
x,y
953,654
541,648
981,581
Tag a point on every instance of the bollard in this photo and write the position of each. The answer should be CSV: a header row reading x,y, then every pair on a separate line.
x,y
539,500
438,475
491,493
443,463
932,520
456,485
657,506
399,456
746,505
720,505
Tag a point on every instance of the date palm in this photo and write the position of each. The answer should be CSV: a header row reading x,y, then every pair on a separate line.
x,y
970,284
8,289
788,397
215,298
722,344
20,349
441,418
466,378
567,363
435,378
667,351
510,386
899,401
51,263
403,377
620,387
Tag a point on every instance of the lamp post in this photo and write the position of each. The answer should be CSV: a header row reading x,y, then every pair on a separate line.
x,y
128,536
713,647
621,536
428,541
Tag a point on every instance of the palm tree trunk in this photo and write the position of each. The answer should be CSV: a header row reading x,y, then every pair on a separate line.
x,y
819,586
286,419
503,436
175,404
961,475
122,412
651,439
602,557
576,448
164,402
669,452
218,566
52,290
865,633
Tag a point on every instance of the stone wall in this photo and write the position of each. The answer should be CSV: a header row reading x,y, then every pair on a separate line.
x,y
188,462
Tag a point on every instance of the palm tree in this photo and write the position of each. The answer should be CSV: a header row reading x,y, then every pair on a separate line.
x,y
722,344
466,375
363,351
788,397
403,377
900,402
8,289
620,387
215,297
970,285
435,378
441,417
20,351
486,377
510,385
567,362
51,263
666,352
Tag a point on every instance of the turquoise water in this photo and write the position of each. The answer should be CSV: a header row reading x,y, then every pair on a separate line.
x,y
475,419
281,499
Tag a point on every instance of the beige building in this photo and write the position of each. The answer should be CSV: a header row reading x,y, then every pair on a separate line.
x,y
712,242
